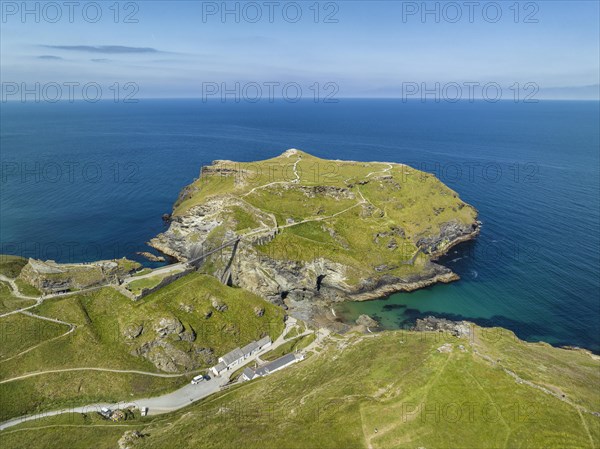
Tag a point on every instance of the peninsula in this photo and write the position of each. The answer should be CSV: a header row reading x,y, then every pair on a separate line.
x,y
311,231
131,357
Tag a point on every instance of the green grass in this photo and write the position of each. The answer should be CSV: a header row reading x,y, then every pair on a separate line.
x,y
296,344
401,205
392,390
8,302
58,390
91,431
11,266
244,219
136,287
76,277
19,332
223,331
101,317
27,289
142,272
126,265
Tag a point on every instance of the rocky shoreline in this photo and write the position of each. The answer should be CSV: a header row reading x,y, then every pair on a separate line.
x,y
306,286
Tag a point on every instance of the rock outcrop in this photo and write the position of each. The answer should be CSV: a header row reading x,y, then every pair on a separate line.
x,y
451,233
366,321
432,324
287,274
160,345
129,438
166,357
151,257
51,277
133,331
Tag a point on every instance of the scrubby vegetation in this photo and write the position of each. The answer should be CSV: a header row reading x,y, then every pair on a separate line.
x,y
11,266
393,389
370,217
181,328
9,302
27,289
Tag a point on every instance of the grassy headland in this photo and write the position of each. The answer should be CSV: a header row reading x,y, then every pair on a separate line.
x,y
393,389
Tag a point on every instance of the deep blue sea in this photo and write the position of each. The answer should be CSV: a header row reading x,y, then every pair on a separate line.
x,y
83,181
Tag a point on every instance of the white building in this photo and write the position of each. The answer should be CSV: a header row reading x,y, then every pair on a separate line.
x,y
237,356
269,368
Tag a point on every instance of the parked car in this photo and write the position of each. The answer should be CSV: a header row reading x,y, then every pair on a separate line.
x,y
144,411
197,379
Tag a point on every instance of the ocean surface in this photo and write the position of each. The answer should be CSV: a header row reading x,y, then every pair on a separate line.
x,y
83,181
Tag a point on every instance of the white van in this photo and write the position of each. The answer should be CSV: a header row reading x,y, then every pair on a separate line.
x,y
144,411
197,379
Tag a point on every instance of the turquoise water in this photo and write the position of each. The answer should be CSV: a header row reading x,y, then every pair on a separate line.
x,y
532,170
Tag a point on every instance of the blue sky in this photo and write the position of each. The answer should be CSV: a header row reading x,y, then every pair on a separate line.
x,y
371,51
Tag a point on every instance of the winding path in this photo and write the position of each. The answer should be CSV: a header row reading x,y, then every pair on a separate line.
x,y
293,181
40,299
166,403
108,370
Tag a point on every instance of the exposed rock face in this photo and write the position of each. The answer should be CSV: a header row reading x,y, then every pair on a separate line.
x,y
278,280
431,323
281,280
367,321
133,331
218,305
451,233
189,335
290,281
168,325
334,192
189,235
165,356
129,438
51,277
151,257
164,350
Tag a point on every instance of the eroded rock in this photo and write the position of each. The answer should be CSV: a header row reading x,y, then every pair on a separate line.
x,y
367,321
168,325
166,357
133,331
431,323
219,306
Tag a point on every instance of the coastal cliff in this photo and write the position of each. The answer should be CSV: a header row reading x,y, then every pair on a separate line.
x,y
315,230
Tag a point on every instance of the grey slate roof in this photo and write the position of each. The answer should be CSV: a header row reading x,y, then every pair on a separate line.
x,y
250,348
255,345
232,356
276,364
263,341
249,373
220,367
